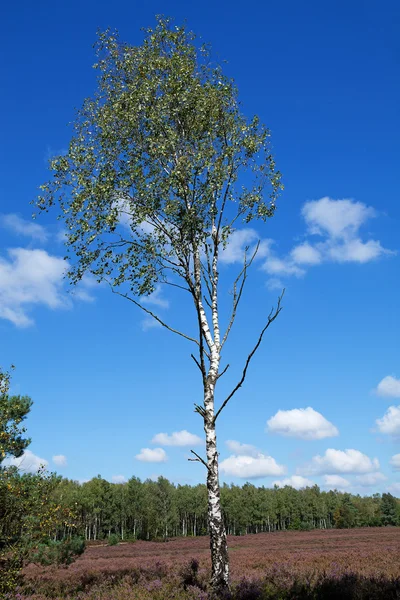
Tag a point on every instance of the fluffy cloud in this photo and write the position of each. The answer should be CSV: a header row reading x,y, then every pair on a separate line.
x,y
370,479
152,455
28,462
303,423
118,479
305,254
177,438
60,460
336,218
354,251
390,422
241,239
278,266
20,226
395,462
242,449
389,387
336,482
295,481
251,467
340,461
29,278
337,224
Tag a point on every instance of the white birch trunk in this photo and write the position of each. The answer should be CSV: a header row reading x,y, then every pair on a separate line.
x,y
218,545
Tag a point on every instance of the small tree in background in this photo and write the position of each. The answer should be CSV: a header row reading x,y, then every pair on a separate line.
x,y
13,411
30,515
162,167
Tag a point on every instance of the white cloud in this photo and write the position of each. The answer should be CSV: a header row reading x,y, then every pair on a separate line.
x,y
251,467
337,218
277,266
303,423
394,488
395,462
177,438
152,455
28,462
242,449
337,223
389,387
370,479
118,479
340,461
355,251
29,278
241,239
305,254
390,422
336,482
295,481
23,227
60,460
155,298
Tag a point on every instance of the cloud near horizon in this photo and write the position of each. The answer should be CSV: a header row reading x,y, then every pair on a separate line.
x,y
28,462
251,467
333,462
60,460
295,481
152,455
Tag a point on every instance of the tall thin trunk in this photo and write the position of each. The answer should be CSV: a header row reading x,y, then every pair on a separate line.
x,y
218,545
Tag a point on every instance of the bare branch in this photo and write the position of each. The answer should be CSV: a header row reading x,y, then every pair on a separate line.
x,y
271,318
197,363
149,312
237,294
223,372
198,459
200,410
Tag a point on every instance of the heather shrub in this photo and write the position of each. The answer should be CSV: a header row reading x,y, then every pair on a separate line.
x,y
190,575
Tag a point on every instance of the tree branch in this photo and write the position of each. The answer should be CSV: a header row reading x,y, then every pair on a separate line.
x,y
223,372
238,294
271,318
198,459
149,312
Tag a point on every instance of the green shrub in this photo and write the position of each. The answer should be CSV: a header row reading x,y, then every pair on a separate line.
x,y
113,539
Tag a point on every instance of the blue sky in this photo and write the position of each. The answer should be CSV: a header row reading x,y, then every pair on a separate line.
x,y
324,78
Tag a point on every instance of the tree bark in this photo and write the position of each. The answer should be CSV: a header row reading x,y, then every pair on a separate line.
x,y
218,544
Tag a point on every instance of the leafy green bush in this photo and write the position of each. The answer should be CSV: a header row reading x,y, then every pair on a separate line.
x,y
113,539
59,553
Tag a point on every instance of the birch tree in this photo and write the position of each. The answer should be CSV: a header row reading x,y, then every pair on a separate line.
x,y
162,167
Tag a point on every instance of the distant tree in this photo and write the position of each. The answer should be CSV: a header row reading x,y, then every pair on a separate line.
x,y
162,167
345,515
13,411
390,510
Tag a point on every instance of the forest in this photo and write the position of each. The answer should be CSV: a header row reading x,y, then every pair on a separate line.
x,y
156,510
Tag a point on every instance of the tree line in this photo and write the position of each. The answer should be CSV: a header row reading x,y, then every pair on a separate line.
x,y
151,510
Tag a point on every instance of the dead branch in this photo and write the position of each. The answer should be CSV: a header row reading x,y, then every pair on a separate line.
x,y
271,318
